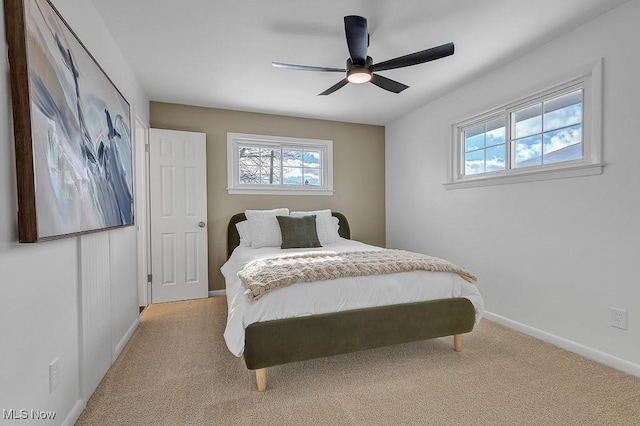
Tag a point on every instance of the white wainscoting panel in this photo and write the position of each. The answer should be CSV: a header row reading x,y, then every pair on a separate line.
x,y
124,287
95,310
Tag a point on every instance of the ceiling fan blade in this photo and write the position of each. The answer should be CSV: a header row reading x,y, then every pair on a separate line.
x,y
388,84
306,67
416,58
335,87
355,28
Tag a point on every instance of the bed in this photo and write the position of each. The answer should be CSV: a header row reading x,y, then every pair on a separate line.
x,y
267,340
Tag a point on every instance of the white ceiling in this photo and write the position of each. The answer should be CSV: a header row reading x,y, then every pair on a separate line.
x,y
218,53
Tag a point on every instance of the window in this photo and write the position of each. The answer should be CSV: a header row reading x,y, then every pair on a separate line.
x,y
554,133
260,164
484,149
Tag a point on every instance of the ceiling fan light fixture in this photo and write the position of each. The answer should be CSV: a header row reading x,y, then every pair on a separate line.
x,y
359,75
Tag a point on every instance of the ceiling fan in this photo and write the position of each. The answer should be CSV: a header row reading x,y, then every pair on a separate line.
x,y
360,67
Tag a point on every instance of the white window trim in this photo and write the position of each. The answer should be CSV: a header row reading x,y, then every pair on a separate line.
x,y
590,78
233,179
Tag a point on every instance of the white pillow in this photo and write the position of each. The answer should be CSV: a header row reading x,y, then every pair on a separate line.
x,y
264,228
326,225
245,233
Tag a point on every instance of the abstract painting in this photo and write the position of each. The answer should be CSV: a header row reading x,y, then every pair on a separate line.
x,y
71,127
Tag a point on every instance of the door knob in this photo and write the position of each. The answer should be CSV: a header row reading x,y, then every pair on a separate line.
x,y
202,224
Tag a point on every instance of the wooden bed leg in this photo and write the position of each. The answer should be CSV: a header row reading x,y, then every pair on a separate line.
x,y
261,379
457,342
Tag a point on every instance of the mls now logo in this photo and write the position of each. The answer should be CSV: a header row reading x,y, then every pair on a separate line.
x,y
25,414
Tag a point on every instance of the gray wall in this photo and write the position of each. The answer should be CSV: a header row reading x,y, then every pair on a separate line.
x,y
552,257
358,171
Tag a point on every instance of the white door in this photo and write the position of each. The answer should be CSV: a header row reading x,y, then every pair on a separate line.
x,y
178,179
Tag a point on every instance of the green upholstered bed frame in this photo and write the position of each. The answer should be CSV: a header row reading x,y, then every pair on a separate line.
x,y
277,342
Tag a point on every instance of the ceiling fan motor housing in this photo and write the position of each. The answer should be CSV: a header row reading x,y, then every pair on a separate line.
x,y
359,73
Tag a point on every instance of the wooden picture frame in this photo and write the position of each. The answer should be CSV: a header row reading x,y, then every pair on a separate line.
x,y
71,130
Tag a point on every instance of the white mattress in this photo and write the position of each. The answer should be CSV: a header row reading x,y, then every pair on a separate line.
x,y
331,296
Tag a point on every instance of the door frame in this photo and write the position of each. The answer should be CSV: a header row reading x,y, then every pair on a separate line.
x,y
142,211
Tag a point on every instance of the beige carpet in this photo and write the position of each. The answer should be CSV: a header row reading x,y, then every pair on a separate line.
x,y
176,370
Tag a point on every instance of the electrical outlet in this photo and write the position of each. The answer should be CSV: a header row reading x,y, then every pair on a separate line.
x,y
619,318
54,379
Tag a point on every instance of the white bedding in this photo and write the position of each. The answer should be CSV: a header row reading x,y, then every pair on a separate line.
x,y
331,296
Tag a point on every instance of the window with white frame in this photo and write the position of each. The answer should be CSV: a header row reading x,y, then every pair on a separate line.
x,y
258,164
551,134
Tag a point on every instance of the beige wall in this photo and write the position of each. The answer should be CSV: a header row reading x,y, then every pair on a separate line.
x,y
358,171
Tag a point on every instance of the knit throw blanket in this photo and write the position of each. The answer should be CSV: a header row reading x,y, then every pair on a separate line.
x,y
262,276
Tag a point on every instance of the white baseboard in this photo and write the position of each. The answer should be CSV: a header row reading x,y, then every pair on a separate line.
x,y
585,351
74,414
121,344
214,293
